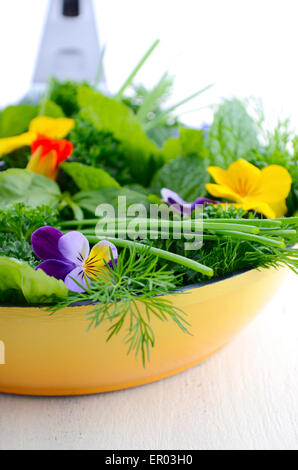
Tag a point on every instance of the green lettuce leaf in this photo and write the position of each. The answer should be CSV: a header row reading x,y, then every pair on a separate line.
x,y
88,178
187,176
109,115
33,190
20,283
89,200
233,134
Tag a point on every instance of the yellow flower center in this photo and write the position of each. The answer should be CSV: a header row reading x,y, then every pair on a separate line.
x,y
93,265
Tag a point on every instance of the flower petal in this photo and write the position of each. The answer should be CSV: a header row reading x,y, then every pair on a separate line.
x,y
56,268
45,243
241,177
10,144
171,197
44,165
112,247
279,208
274,184
79,275
56,128
202,201
100,254
218,190
176,202
260,207
74,247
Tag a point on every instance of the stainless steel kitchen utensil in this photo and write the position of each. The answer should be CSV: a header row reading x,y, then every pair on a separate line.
x,y
70,47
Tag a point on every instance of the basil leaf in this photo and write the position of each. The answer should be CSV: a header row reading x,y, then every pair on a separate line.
x,y
17,185
89,178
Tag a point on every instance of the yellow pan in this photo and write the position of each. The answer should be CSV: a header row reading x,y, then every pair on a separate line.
x,y
54,355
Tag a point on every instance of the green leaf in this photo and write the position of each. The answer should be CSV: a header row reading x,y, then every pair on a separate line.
x,y
109,115
171,149
88,178
50,109
89,200
232,135
15,120
187,176
190,142
34,190
34,287
154,97
139,65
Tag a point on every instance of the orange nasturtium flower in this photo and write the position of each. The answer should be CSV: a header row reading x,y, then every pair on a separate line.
x,y
55,128
48,154
264,191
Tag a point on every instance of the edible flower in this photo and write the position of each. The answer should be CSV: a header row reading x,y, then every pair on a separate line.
x,y
68,257
55,128
48,154
264,191
179,205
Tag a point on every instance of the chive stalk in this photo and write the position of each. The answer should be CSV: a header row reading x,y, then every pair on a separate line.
x,y
166,255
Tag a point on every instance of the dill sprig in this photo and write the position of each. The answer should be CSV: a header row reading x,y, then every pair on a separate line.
x,y
128,296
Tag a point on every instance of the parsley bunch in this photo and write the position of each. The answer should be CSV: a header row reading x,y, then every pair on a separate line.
x,y
16,227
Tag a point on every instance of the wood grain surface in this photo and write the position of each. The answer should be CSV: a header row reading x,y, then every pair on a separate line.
x,y
244,397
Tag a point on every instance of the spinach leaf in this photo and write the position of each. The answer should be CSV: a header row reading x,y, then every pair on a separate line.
x,y
25,285
33,190
88,178
187,176
232,135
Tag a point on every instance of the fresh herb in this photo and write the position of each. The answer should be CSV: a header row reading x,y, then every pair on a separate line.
x,y
16,227
32,189
65,95
108,115
100,149
140,284
186,176
232,135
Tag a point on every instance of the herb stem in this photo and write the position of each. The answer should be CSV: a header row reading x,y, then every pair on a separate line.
x,y
167,255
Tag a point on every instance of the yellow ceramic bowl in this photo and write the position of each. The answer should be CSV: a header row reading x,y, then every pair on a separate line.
x,y
55,355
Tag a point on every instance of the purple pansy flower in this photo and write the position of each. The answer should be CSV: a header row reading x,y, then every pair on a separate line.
x,y
179,205
68,257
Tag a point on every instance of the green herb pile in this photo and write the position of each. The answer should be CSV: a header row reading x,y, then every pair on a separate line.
x,y
133,145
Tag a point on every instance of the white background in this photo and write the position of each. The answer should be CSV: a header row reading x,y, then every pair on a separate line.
x,y
247,48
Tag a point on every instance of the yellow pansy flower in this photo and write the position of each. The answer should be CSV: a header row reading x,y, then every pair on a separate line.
x,y
264,191
55,128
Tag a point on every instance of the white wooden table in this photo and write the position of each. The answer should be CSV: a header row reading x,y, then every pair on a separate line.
x,y
245,397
